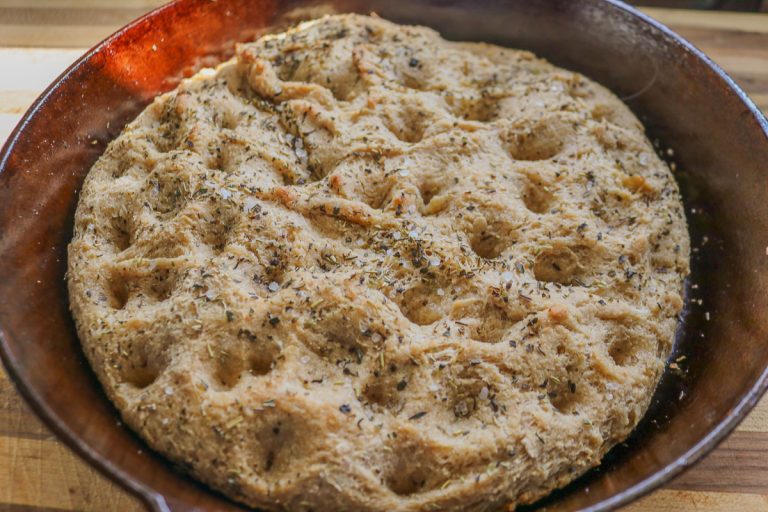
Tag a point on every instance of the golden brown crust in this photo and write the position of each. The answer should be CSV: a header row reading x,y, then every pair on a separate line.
x,y
361,268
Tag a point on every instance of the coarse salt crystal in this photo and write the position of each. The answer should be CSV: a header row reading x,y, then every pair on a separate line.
x,y
396,235
434,387
168,390
273,286
434,261
413,233
305,359
507,276
403,172
484,393
440,292
224,193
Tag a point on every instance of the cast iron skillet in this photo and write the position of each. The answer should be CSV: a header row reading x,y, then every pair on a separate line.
x,y
720,143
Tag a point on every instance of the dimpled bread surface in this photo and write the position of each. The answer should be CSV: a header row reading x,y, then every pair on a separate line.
x,y
362,268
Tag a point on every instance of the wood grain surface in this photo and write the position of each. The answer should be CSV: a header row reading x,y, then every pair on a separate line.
x,y
39,39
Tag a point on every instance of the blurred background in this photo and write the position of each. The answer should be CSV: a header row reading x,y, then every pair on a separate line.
x,y
725,5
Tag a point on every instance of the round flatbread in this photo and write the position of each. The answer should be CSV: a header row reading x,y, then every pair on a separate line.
x,y
360,267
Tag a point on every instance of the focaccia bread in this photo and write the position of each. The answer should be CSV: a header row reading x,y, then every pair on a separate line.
x,y
362,268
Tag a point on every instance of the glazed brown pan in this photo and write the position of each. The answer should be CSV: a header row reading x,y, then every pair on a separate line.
x,y
720,143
